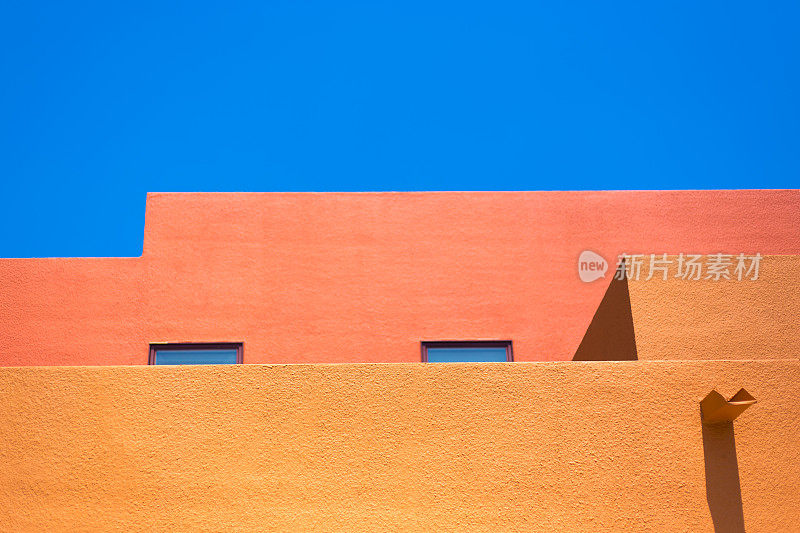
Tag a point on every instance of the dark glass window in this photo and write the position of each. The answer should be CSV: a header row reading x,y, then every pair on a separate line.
x,y
466,351
196,354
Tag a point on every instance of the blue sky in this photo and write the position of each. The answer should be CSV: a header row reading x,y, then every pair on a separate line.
x,y
102,102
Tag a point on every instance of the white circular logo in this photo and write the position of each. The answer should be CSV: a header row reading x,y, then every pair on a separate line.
x,y
591,266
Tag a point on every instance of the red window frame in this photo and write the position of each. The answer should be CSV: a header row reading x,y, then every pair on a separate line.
x,y
467,344
178,346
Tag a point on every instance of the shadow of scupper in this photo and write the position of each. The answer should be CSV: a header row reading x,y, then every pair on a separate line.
x,y
723,490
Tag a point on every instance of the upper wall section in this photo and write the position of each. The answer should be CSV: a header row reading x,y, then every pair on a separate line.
x,y
346,276
554,222
361,277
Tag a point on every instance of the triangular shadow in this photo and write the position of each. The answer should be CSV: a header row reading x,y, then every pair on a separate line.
x,y
610,336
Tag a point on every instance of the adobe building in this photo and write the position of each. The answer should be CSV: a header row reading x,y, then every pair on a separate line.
x,y
529,379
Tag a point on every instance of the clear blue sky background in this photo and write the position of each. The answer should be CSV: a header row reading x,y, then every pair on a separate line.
x,y
102,102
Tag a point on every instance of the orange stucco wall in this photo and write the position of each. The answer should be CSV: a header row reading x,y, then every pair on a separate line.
x,y
726,319
352,277
462,447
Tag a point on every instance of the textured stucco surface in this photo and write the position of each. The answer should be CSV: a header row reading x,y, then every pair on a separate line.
x,y
364,277
589,446
726,319
69,311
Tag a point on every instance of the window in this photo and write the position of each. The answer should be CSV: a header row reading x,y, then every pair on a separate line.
x,y
466,351
196,354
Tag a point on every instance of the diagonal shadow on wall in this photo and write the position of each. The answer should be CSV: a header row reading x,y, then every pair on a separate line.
x,y
723,490
610,336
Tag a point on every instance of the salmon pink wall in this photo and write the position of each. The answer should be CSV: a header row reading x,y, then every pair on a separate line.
x,y
70,311
360,277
